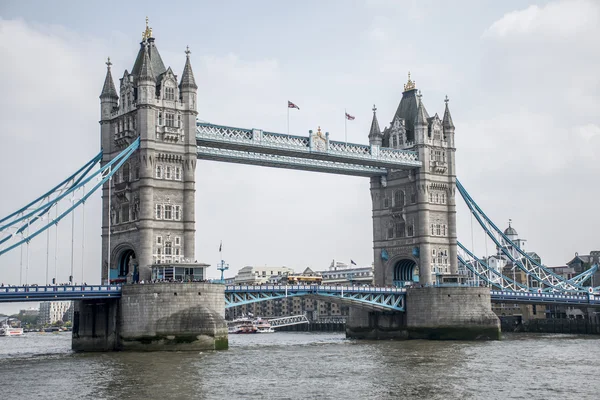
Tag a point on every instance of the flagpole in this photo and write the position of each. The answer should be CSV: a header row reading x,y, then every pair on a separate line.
x,y
288,119
345,127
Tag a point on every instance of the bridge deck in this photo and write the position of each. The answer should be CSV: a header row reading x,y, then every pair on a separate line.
x,y
366,296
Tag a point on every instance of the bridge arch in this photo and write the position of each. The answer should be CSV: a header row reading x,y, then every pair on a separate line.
x,y
404,271
124,267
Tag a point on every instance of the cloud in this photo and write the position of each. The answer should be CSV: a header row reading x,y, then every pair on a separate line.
x,y
556,20
533,129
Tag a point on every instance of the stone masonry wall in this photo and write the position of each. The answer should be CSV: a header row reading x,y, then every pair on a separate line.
x,y
173,316
451,313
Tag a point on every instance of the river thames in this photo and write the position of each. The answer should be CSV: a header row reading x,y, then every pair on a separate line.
x,y
292,365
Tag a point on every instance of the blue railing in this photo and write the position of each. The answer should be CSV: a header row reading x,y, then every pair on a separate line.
x,y
58,293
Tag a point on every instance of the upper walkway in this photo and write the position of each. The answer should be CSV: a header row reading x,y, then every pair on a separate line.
x,y
257,147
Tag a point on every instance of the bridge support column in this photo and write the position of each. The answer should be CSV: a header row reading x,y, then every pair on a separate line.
x,y
154,317
435,313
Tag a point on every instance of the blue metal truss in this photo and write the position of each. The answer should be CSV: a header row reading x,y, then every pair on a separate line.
x,y
58,293
383,299
499,296
548,279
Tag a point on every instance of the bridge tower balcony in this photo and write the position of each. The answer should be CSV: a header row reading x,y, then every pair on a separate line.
x,y
171,134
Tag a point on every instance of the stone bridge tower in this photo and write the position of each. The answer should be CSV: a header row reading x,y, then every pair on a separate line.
x,y
414,211
150,212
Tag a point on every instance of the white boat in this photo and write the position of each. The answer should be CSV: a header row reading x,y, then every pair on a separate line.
x,y
247,325
7,329
263,326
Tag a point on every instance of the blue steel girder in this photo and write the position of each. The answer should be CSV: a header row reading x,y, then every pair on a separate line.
x,y
287,147
10,294
383,299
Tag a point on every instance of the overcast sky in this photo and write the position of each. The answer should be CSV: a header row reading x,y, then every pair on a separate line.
x,y
522,78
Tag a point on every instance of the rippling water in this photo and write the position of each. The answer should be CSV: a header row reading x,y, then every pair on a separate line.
x,y
294,365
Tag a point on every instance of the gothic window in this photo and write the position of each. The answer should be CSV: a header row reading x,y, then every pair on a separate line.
x,y
390,232
116,129
431,197
158,172
167,172
159,240
168,248
179,120
125,212
400,230
399,198
177,212
137,173
443,198
159,211
177,173
159,122
437,198
177,241
170,119
410,231
177,251
393,141
169,93
438,229
126,172
413,197
386,202
443,230
432,229
116,217
158,251
168,211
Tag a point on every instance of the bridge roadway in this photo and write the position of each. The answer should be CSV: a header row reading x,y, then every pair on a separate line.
x,y
388,299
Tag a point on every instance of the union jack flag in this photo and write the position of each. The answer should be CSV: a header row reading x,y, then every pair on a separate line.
x,y
349,117
292,105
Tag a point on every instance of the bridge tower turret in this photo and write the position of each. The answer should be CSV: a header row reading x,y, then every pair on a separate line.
x,y
148,218
414,214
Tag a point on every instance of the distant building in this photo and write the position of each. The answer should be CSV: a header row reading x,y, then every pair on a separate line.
x,y
54,311
30,312
340,273
259,275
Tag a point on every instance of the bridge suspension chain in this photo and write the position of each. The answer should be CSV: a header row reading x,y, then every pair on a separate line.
x,y
21,226
546,279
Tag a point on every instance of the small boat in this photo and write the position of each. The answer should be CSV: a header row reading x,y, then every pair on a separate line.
x,y
263,326
10,327
246,325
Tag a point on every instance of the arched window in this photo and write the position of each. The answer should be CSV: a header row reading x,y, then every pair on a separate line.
x,y
159,121
158,172
126,172
399,198
167,172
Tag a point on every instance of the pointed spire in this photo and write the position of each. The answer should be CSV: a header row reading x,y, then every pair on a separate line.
x,y
146,71
447,123
421,118
375,131
108,90
187,78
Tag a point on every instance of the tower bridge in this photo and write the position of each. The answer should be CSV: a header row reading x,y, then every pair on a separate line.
x,y
150,143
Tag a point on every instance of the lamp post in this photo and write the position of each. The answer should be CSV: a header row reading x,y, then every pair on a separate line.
x,y
222,266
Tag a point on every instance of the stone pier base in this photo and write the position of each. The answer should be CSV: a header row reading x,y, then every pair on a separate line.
x,y
436,313
151,317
